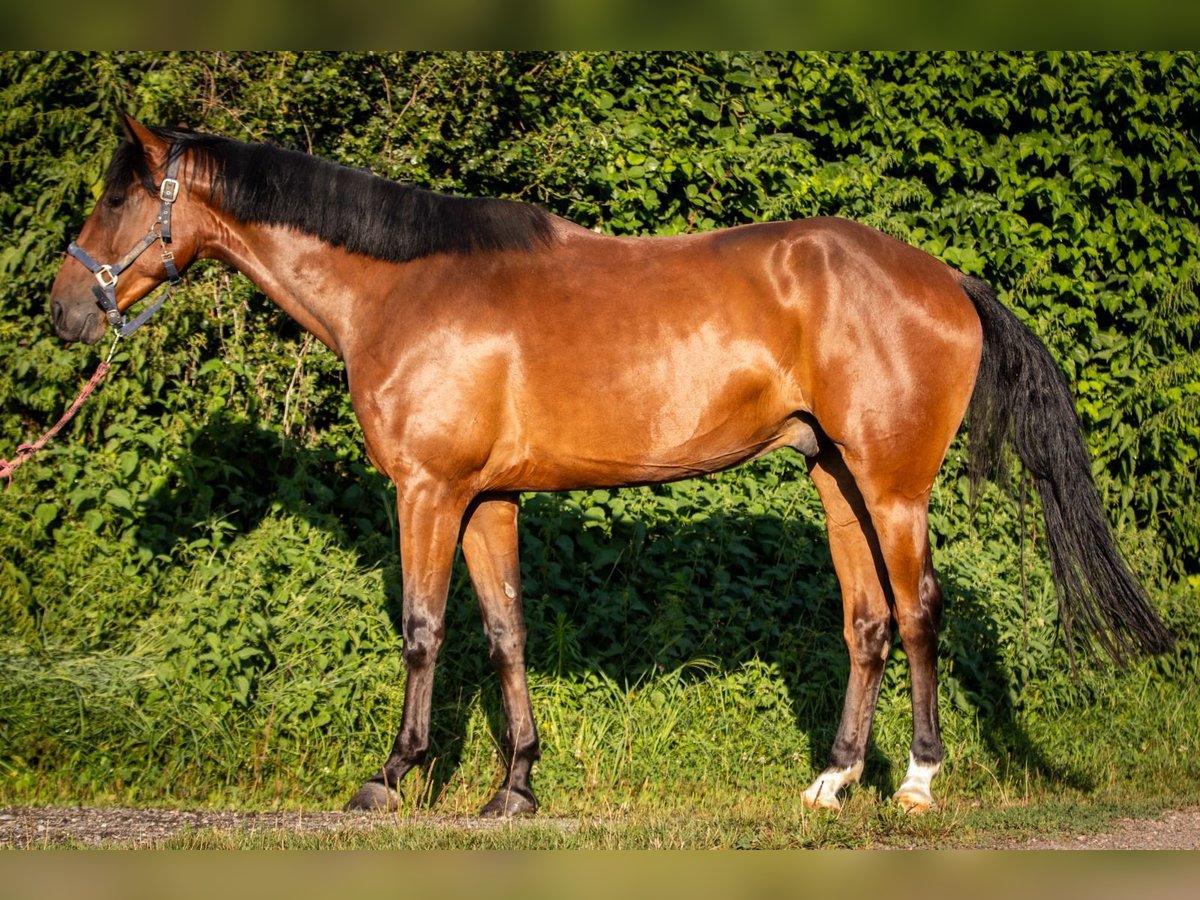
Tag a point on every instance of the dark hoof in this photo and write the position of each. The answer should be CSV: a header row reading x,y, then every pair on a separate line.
x,y
507,804
374,796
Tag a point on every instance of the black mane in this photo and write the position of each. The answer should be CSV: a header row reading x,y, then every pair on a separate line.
x,y
346,207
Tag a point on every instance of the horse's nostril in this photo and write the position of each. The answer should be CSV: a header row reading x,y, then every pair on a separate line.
x,y
70,327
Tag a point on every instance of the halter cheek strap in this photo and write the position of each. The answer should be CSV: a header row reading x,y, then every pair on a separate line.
x,y
105,288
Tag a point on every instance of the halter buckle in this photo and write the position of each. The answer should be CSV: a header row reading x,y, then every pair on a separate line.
x,y
169,190
105,276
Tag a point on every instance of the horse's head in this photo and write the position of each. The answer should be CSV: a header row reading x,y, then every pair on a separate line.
x,y
137,237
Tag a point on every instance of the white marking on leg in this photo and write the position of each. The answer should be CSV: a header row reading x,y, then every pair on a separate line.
x,y
509,591
914,794
823,793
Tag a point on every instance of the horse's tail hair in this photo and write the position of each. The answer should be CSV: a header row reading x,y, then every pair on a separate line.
x,y
1022,400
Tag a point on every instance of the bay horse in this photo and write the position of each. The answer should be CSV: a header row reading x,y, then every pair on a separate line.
x,y
493,348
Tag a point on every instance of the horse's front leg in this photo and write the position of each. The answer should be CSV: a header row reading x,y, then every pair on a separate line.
x,y
430,519
490,548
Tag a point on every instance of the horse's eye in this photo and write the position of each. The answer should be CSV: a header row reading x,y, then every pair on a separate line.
x,y
112,201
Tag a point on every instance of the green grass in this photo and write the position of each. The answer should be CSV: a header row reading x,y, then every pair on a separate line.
x,y
786,828
702,757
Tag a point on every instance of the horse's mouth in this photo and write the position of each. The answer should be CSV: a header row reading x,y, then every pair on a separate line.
x,y
85,329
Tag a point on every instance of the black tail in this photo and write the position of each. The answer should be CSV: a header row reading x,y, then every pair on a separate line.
x,y
1022,400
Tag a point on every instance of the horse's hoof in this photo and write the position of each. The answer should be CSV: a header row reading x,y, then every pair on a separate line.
x,y
508,804
914,795
374,796
821,800
914,802
823,793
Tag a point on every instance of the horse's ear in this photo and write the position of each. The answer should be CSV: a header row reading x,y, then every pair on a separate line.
x,y
126,124
139,134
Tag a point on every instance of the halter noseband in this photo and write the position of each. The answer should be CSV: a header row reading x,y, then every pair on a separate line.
x,y
106,275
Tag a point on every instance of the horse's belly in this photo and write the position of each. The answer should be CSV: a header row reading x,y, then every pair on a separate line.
x,y
614,440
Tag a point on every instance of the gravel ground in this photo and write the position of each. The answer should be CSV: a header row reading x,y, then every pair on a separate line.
x,y
44,826
29,827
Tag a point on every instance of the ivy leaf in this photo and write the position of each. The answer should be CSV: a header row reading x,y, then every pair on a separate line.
x,y
120,498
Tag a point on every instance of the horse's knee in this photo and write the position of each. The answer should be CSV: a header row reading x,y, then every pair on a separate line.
x,y
930,597
422,640
868,638
917,629
920,622
506,644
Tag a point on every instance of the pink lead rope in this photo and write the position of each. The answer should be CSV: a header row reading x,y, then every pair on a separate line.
x,y
24,451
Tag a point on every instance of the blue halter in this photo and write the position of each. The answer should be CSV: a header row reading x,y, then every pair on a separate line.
x,y
106,275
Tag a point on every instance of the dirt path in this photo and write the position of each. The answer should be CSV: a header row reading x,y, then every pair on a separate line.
x,y
1177,830
30,827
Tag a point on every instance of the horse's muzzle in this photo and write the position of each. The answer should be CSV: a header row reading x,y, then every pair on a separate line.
x,y
82,323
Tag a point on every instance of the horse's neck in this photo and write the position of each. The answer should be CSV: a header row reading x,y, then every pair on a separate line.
x,y
314,283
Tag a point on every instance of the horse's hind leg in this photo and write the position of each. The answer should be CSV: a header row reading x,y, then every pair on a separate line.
x,y
867,621
902,525
919,632
490,548
880,548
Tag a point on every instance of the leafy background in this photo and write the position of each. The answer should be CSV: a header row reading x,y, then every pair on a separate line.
x,y
199,593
